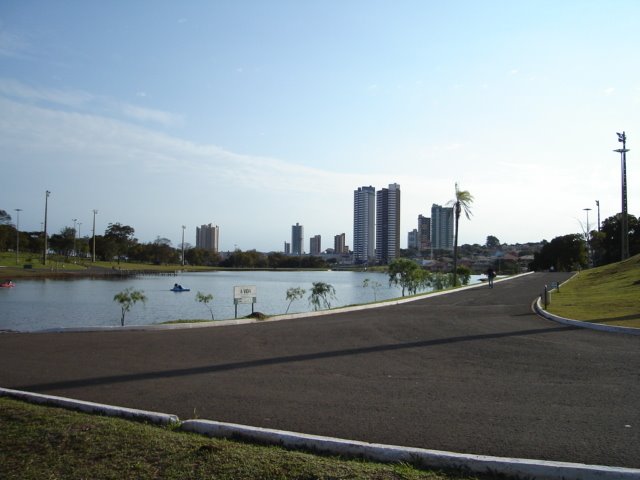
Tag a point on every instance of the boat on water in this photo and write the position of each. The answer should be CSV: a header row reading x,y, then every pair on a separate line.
x,y
179,288
7,284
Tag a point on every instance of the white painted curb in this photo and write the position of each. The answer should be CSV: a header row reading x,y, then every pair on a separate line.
x,y
577,323
415,456
90,407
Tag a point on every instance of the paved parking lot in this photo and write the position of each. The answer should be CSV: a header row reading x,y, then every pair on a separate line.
x,y
474,371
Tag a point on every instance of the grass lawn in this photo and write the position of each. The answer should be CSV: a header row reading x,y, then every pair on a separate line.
x,y
39,442
608,294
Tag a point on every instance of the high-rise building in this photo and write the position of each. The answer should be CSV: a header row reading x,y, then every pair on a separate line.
x,y
315,246
424,233
339,246
364,217
287,248
297,239
207,237
441,227
412,239
388,223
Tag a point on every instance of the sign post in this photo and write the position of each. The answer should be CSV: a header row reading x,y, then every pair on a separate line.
x,y
244,294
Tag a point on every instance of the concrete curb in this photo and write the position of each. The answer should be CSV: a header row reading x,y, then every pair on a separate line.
x,y
433,459
537,306
423,458
90,407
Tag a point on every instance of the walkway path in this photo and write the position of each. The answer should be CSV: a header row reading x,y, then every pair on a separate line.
x,y
473,372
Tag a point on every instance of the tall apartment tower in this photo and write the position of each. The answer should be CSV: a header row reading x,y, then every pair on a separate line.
x,y
441,227
297,239
339,244
207,237
364,217
424,233
388,223
315,246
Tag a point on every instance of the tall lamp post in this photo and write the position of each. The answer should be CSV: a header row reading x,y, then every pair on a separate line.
x,y
79,236
94,235
46,204
183,227
622,137
588,234
18,210
598,205
74,236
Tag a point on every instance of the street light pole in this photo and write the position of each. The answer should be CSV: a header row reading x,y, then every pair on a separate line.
x,y
598,205
79,236
94,236
622,137
74,236
587,235
18,210
183,227
46,204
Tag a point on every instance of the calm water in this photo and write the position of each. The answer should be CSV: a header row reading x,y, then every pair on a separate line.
x,y
43,304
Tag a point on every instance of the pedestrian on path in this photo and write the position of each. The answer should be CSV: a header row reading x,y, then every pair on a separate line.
x,y
491,274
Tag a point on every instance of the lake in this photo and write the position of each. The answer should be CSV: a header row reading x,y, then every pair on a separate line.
x,y
46,303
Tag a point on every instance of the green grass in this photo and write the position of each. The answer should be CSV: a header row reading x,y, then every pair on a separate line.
x,y
608,294
39,442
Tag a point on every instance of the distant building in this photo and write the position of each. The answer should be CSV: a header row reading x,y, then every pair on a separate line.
x,y
207,237
424,233
412,239
364,217
287,248
339,246
315,246
441,227
297,239
388,223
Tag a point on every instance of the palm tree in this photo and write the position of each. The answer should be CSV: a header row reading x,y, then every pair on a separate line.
x,y
461,203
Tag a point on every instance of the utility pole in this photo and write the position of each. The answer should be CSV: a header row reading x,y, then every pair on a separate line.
x,y
183,227
624,254
18,235
598,205
94,236
46,204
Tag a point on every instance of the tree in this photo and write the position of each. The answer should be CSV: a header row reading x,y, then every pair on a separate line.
x,y
5,218
202,298
127,299
565,253
492,242
121,237
462,203
606,244
294,293
405,272
62,243
374,285
321,294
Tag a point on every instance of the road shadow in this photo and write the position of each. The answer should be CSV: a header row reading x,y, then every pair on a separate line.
x,y
182,372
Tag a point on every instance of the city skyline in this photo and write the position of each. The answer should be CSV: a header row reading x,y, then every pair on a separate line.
x,y
254,115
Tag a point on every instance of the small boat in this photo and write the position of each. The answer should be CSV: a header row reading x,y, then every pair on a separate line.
x,y
7,284
180,288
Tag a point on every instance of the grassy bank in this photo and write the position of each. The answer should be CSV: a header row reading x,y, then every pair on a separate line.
x,y
608,294
45,442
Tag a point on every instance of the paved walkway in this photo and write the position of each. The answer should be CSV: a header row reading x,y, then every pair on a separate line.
x,y
472,372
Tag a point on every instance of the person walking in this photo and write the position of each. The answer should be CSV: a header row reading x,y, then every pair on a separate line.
x,y
491,274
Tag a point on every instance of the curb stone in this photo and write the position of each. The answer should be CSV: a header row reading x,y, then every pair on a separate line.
x,y
434,459
90,407
423,458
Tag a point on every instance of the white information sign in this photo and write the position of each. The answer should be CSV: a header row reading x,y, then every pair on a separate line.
x,y
245,294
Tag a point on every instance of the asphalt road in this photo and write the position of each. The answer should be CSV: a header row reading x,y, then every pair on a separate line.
x,y
472,372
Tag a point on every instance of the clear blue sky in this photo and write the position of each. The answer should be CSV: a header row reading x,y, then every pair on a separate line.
x,y
255,115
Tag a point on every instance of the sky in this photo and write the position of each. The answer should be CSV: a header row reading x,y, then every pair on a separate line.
x,y
255,115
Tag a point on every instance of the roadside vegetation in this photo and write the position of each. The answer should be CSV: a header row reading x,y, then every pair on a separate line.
x,y
608,294
46,442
